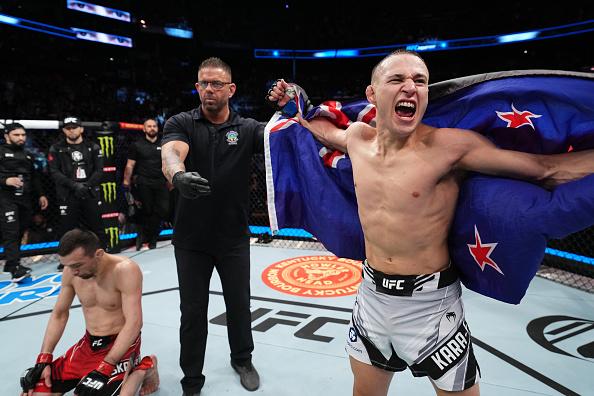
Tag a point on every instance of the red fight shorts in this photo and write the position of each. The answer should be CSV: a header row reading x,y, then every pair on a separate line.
x,y
84,357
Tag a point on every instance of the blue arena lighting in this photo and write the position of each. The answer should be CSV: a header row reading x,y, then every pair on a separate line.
x,y
442,45
335,54
124,237
570,256
44,245
37,26
177,32
510,38
287,232
325,54
133,235
8,20
421,47
72,33
347,53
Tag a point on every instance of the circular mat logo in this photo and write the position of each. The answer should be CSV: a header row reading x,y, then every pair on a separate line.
x,y
314,276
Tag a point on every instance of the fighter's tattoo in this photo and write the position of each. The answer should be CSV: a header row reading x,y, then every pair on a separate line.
x,y
172,163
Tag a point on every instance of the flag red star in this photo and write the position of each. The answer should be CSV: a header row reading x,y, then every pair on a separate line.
x,y
481,252
516,119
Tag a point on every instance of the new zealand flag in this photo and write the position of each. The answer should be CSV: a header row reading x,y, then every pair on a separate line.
x,y
501,226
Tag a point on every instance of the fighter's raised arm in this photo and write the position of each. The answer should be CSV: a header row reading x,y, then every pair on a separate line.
x,y
480,155
277,94
329,134
323,130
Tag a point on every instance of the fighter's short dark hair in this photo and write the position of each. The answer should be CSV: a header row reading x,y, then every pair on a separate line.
x,y
76,238
399,51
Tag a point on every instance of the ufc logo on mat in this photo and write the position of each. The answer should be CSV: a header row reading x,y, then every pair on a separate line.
x,y
390,284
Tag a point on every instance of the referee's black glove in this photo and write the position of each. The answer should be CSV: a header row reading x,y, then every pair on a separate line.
x,y
190,184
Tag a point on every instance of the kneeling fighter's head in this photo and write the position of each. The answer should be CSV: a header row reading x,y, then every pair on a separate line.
x,y
80,252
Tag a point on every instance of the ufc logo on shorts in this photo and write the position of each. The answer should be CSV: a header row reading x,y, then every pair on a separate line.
x,y
91,383
97,343
396,284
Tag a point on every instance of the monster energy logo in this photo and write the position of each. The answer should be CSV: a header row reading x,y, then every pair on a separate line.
x,y
109,192
106,143
114,236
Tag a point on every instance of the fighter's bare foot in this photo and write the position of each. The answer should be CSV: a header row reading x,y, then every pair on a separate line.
x,y
151,380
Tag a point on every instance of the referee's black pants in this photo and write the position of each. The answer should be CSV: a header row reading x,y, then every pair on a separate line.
x,y
194,270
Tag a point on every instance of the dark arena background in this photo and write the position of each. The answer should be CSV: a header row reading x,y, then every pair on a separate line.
x,y
149,69
115,63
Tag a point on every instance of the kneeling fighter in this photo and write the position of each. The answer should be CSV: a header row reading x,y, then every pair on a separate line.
x,y
106,360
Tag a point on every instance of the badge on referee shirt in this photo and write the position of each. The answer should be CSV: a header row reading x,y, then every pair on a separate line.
x,y
232,137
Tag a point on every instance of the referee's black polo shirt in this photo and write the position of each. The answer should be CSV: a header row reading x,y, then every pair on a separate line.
x,y
222,154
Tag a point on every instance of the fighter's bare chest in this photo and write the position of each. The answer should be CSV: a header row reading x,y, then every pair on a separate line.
x,y
93,295
406,174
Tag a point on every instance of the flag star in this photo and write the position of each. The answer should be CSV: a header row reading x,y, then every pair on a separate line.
x,y
481,252
516,119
